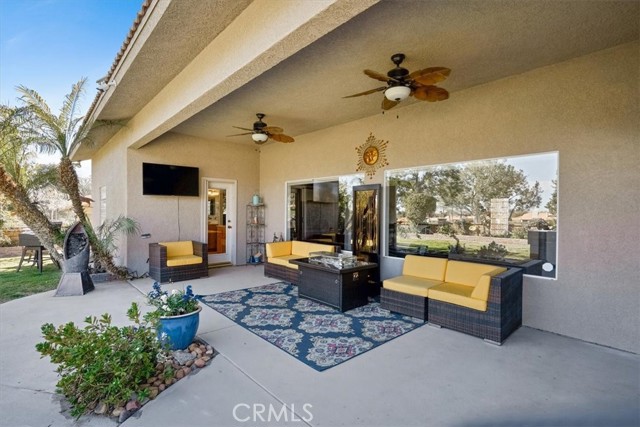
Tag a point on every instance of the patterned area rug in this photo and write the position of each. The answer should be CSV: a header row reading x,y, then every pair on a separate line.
x,y
314,333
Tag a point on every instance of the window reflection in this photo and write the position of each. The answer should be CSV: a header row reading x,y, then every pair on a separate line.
x,y
320,210
501,211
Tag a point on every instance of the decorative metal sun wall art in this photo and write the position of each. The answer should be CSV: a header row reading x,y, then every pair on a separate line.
x,y
372,156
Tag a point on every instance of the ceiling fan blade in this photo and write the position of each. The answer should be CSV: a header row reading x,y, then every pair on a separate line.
x,y
368,92
238,127
430,93
387,104
272,129
239,134
378,76
280,137
430,76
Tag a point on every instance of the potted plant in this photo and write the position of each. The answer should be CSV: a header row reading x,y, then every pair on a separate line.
x,y
176,316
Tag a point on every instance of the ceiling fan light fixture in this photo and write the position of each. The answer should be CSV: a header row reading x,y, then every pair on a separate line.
x,y
259,137
397,93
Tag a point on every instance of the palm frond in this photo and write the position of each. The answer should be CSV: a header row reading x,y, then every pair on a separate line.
x,y
68,110
110,228
85,132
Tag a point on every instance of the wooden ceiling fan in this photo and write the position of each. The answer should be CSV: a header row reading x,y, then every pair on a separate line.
x,y
401,84
261,132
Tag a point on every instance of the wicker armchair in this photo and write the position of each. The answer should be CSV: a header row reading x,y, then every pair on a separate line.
x,y
168,263
503,315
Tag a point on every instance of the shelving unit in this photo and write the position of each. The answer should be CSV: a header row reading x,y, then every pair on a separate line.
x,y
255,233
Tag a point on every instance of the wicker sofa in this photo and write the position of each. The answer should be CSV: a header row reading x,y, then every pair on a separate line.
x,y
176,261
477,299
279,254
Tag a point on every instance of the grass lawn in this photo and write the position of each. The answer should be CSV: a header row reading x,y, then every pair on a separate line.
x,y
518,248
28,280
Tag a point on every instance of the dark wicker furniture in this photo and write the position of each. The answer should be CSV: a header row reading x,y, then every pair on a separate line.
x,y
503,315
277,271
344,288
403,303
158,269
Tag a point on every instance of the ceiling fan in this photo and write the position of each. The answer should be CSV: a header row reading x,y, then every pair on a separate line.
x,y
401,84
261,132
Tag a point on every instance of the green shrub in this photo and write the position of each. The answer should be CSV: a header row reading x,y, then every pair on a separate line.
x,y
101,363
493,251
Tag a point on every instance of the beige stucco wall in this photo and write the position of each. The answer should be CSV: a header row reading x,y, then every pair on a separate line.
x,y
109,168
162,215
587,110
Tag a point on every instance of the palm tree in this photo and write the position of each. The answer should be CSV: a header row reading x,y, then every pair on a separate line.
x,y
14,181
58,134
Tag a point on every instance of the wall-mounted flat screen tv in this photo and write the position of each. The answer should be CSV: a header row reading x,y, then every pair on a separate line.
x,y
169,180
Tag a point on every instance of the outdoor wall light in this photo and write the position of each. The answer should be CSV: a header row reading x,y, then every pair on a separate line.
x,y
397,93
103,86
259,137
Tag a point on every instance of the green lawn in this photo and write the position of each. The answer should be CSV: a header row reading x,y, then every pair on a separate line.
x,y
28,280
518,248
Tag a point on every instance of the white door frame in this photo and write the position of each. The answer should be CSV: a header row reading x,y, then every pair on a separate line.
x,y
231,187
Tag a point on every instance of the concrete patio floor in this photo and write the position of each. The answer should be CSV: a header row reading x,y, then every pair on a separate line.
x,y
428,377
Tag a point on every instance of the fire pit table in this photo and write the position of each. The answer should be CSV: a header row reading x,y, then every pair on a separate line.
x,y
341,288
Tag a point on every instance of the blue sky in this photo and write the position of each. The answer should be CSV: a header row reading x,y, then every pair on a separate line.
x,y
48,45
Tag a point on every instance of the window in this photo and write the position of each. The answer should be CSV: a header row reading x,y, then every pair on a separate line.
x,y
500,210
320,210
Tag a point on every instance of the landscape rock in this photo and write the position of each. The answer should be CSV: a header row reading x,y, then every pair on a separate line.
x,y
124,415
132,405
153,392
117,411
101,408
183,357
180,374
199,363
189,363
162,387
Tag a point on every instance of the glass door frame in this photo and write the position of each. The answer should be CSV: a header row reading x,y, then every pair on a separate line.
x,y
231,187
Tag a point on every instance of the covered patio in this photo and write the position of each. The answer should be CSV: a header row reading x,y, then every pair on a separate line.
x,y
427,377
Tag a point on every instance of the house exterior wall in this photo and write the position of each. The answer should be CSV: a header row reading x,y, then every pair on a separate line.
x,y
587,110
120,169
109,168
169,218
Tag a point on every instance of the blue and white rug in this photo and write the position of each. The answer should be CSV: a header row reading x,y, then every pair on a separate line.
x,y
314,333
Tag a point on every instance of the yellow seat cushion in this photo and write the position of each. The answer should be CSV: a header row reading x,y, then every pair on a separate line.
x,y
176,261
457,294
410,285
468,273
481,290
284,260
302,249
427,267
175,249
276,249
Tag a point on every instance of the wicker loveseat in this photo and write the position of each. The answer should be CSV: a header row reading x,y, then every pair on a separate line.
x,y
477,299
176,261
280,253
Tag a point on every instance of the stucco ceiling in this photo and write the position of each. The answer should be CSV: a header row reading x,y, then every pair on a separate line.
x,y
480,41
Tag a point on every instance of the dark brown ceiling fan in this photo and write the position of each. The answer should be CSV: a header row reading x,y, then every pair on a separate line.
x,y
261,132
401,84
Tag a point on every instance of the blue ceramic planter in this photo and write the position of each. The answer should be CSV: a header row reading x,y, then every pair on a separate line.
x,y
177,332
